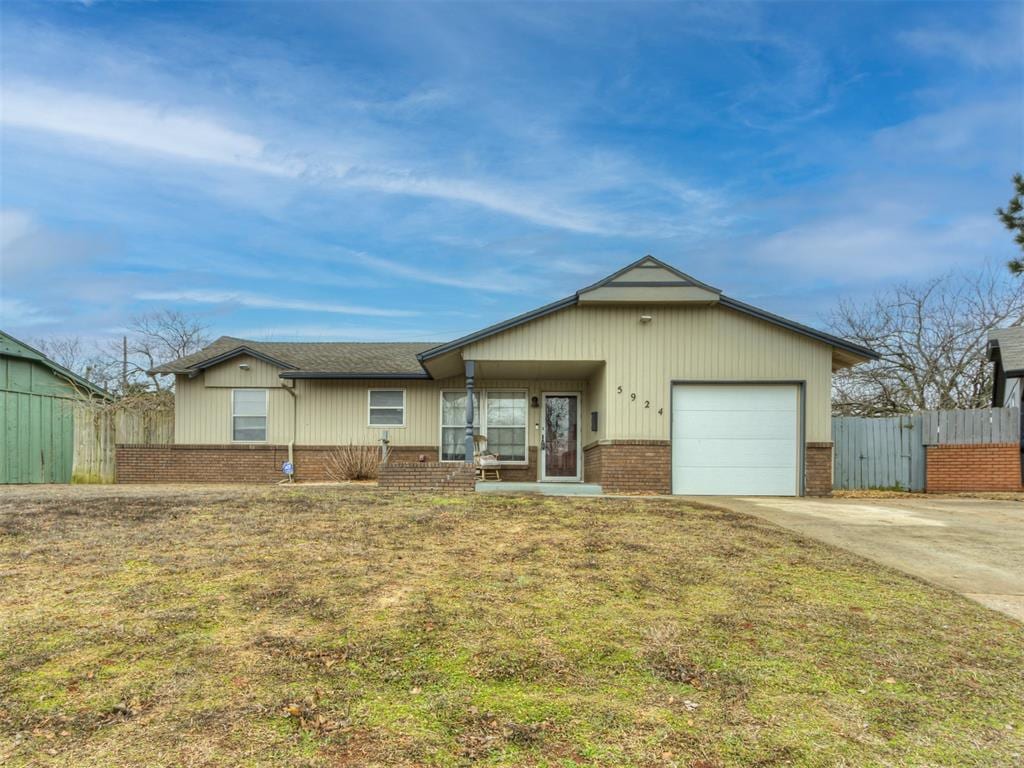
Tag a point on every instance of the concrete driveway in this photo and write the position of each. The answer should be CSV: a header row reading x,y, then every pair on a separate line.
x,y
972,546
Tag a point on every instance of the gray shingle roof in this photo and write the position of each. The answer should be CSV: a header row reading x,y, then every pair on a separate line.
x,y
1010,342
347,357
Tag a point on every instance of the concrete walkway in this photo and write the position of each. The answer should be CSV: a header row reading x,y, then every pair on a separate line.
x,y
546,489
972,546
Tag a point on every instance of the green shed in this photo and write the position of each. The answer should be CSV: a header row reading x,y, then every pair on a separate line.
x,y
37,414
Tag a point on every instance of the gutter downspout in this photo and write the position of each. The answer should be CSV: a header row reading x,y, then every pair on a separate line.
x,y
291,445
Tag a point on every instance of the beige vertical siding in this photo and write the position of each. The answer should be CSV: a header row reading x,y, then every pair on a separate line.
x,y
229,374
202,414
709,343
202,406
692,343
336,412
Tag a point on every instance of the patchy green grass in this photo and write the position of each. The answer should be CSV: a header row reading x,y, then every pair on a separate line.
x,y
335,627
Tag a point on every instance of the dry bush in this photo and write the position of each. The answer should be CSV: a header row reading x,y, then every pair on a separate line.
x,y
353,462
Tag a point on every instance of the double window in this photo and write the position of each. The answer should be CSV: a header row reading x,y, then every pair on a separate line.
x,y
249,415
387,407
498,415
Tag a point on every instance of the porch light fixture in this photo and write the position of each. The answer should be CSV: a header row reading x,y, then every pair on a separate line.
x,y
535,402
645,318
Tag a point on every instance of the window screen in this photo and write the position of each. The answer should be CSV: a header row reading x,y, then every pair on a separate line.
x,y
506,425
453,424
249,415
387,407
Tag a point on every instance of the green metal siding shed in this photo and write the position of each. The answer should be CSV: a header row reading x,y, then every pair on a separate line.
x,y
37,414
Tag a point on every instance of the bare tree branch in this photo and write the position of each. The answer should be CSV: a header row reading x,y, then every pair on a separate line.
x,y
931,338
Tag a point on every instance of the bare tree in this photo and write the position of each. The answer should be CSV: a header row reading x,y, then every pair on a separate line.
x,y
123,368
931,338
85,358
158,337
68,351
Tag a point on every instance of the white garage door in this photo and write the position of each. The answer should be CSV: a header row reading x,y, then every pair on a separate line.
x,y
735,439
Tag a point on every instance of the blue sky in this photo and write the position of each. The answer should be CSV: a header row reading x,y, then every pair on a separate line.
x,y
389,171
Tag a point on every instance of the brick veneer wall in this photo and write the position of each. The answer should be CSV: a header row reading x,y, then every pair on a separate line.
x,y
427,476
645,466
818,469
991,467
199,463
234,463
629,466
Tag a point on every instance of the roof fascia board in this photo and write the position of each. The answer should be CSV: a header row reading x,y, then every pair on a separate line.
x,y
993,350
726,301
512,322
349,376
656,263
243,350
828,338
72,377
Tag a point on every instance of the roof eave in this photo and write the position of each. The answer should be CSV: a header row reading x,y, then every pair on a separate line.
x,y
199,367
73,378
348,375
690,279
828,338
490,330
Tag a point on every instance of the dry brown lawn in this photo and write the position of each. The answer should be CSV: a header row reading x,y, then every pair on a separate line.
x,y
325,626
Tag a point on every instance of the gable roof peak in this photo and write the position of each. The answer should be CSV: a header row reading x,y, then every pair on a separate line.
x,y
647,262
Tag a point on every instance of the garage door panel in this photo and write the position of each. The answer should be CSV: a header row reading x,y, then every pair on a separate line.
x,y
711,452
748,397
735,439
725,481
736,425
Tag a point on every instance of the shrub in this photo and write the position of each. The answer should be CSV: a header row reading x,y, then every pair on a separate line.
x,y
353,462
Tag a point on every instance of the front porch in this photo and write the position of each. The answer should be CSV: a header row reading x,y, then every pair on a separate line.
x,y
524,422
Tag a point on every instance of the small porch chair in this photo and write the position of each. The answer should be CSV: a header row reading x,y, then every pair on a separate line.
x,y
485,462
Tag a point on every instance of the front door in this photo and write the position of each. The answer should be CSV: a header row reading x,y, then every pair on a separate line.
x,y
561,446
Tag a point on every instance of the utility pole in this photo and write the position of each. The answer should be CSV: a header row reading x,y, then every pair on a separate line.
x,y
124,365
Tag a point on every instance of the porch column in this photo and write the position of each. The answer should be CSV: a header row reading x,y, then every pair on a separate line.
x,y
470,373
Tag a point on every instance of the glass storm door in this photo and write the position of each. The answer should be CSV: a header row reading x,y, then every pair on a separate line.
x,y
561,438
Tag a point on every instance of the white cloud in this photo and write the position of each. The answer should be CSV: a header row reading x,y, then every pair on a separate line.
x,y
999,46
272,332
16,313
256,301
553,200
14,225
525,204
959,134
140,126
877,245
484,279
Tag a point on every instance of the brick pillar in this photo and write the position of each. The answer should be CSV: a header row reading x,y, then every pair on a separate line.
x,y
818,469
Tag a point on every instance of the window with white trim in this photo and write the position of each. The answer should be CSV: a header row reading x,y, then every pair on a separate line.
x,y
249,415
387,407
506,424
498,415
453,424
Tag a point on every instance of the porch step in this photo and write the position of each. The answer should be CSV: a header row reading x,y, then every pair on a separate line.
x,y
547,489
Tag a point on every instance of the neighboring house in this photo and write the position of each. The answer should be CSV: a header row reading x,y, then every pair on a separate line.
x,y
1006,351
648,380
36,414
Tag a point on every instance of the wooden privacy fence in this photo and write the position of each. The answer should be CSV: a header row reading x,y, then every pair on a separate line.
x,y
99,429
889,452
